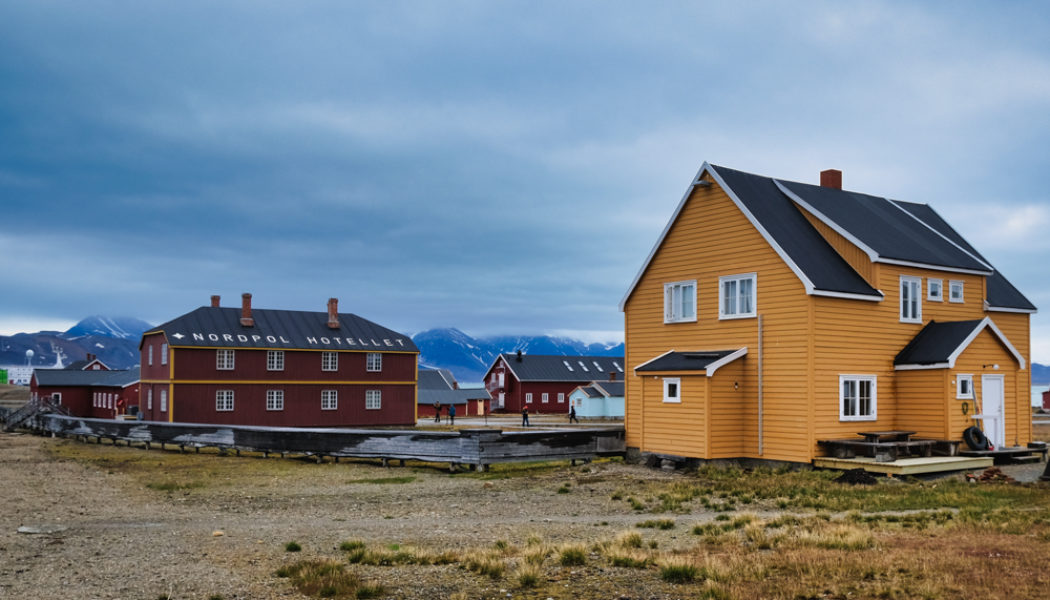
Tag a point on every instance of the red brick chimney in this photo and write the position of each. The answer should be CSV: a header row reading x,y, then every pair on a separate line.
x,y
246,310
333,313
612,375
831,178
215,301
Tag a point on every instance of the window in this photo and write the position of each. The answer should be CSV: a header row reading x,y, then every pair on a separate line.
x,y
672,389
567,365
373,399
545,398
329,399
911,304
374,362
857,395
955,291
275,360
736,296
329,361
680,301
56,398
164,353
149,399
528,398
964,386
561,397
164,401
582,366
618,367
935,290
150,354
224,360
274,399
223,400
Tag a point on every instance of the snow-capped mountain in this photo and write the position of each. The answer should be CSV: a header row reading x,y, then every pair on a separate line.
x,y
468,357
115,341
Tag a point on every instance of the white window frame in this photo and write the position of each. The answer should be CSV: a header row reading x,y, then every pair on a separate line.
x,y
674,293
954,284
960,393
223,400
329,361
545,398
528,397
275,360
939,297
149,399
676,382
373,399
224,360
374,362
561,397
915,284
874,387
164,353
163,400
733,311
274,400
329,399
56,397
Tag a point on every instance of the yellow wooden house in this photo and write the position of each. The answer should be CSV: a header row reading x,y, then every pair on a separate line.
x,y
772,314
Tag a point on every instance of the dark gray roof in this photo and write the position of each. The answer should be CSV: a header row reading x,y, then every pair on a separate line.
x,y
1001,293
884,227
611,388
824,267
936,342
684,361
435,379
429,397
285,329
69,378
591,392
538,367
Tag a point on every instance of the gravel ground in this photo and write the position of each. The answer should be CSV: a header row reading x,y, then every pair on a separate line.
x,y
104,534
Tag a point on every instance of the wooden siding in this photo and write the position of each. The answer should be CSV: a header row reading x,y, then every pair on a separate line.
x,y
978,359
1017,328
850,252
676,428
712,238
734,412
924,402
198,364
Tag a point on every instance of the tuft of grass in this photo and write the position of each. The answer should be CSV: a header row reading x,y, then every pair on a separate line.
x,y
351,545
633,559
564,489
483,563
322,579
678,570
292,547
629,539
572,555
657,524
528,575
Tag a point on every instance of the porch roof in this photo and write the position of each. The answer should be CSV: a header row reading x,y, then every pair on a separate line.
x,y
694,360
938,345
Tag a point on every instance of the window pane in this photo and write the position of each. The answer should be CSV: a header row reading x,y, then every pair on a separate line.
x,y
746,294
687,301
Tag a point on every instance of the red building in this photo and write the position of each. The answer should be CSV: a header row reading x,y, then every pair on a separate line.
x,y
543,382
95,393
277,368
439,388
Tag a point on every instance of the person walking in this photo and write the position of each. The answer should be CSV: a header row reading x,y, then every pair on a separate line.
x,y
437,412
572,415
451,414
525,416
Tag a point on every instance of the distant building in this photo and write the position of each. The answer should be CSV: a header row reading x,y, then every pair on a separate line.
x,y
598,399
95,393
277,368
19,375
439,386
91,363
543,382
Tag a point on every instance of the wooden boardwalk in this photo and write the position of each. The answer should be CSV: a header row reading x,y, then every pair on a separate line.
x,y
475,447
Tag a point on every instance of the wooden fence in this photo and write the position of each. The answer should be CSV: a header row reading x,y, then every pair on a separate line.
x,y
476,447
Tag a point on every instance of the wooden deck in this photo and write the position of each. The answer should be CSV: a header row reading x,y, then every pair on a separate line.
x,y
906,466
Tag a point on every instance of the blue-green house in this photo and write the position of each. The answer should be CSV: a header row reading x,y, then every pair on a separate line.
x,y
598,399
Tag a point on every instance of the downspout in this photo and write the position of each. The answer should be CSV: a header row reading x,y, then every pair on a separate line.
x,y
760,385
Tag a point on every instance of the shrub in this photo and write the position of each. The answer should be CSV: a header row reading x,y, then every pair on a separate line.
x,y
292,547
678,570
351,545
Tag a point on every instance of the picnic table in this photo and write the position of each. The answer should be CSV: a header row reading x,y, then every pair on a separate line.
x,y
883,446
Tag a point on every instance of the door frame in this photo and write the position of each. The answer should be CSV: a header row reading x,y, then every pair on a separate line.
x,y
998,419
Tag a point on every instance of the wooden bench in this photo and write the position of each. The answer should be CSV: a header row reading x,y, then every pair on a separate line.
x,y
887,451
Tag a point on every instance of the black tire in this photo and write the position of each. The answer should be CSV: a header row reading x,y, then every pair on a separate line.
x,y
975,438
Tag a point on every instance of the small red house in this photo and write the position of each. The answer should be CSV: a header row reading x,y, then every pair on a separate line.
x,y
438,387
277,368
544,382
95,393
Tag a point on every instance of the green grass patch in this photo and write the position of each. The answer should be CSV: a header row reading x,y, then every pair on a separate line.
x,y
323,579
657,524
385,480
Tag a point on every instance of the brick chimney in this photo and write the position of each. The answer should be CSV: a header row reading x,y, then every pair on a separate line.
x,y
831,178
333,313
612,375
215,301
246,310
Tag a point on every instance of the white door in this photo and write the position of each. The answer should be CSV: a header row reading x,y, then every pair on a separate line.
x,y
992,407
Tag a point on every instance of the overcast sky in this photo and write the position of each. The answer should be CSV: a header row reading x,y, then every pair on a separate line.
x,y
498,167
